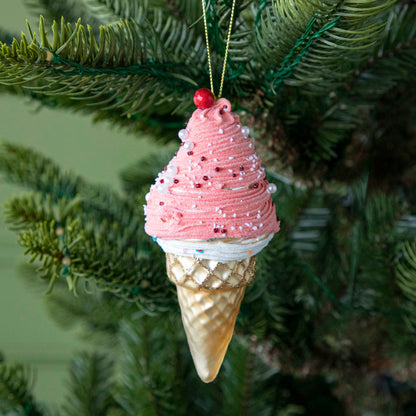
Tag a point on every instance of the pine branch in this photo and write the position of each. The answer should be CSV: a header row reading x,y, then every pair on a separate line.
x,y
99,312
106,242
91,386
150,383
349,27
405,269
132,57
27,168
15,390
393,61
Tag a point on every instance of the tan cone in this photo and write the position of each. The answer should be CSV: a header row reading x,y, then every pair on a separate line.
x,y
210,295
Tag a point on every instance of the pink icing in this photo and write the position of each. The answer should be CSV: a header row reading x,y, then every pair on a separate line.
x,y
219,189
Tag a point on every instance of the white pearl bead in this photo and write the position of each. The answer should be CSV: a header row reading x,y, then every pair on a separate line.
x,y
272,188
162,189
183,134
245,130
172,170
188,146
168,181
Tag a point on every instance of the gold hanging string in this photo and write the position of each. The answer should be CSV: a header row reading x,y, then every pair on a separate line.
x,y
204,12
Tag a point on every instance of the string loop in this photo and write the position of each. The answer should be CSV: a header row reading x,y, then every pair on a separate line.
x,y
227,45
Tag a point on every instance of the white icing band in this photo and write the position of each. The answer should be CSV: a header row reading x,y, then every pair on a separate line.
x,y
216,249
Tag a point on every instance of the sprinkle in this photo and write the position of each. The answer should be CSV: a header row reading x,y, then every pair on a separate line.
x,y
199,196
217,169
240,178
233,228
161,203
205,178
220,211
215,230
224,215
234,215
241,167
202,116
231,140
209,183
203,158
176,181
200,222
217,208
221,131
234,175
258,216
197,185
255,185
154,238
230,170
162,181
199,251
193,206
254,228
248,225
190,153
261,225
240,227
209,144
231,157
238,126
189,168
210,152
252,169
223,230
248,214
249,251
215,160
250,145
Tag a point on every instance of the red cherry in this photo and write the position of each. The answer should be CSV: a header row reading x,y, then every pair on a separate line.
x,y
204,98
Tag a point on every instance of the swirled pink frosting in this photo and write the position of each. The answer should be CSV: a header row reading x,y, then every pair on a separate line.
x,y
214,187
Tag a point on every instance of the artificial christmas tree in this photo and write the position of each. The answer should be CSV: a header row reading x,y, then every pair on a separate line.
x,y
328,91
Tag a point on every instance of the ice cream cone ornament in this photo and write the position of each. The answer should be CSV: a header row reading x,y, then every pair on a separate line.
x,y
211,212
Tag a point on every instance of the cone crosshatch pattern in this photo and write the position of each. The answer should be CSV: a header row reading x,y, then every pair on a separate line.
x,y
209,295
197,273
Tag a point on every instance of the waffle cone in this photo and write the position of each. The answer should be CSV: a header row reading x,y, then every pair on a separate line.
x,y
209,295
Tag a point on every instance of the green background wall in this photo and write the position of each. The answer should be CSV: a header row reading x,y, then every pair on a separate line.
x,y
98,152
